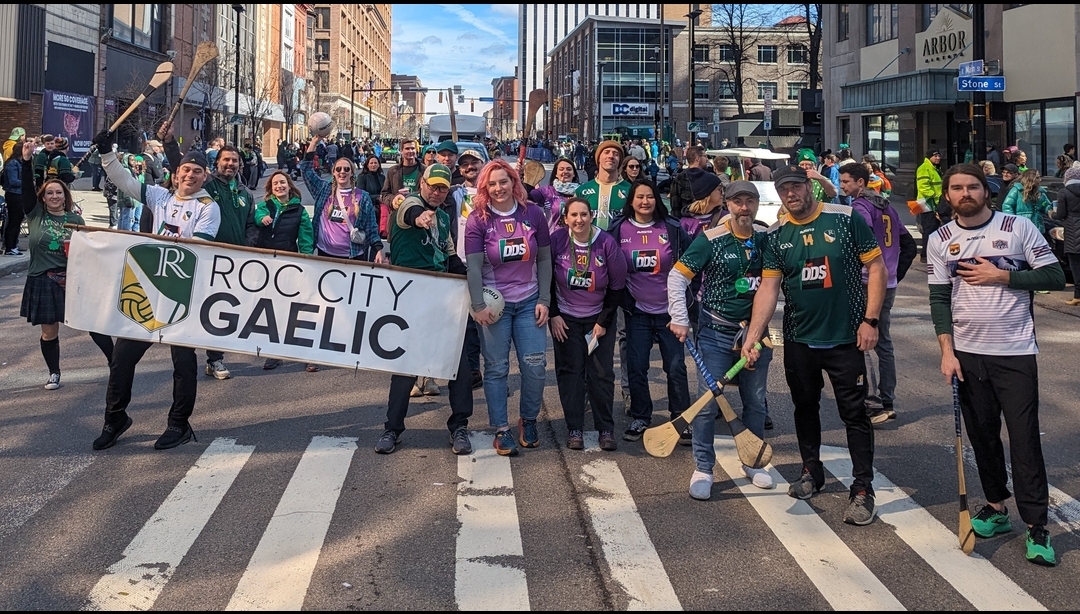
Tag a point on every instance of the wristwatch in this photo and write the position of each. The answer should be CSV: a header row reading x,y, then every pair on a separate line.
x,y
873,322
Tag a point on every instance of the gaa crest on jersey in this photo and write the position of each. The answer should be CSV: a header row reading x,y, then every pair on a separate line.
x,y
646,260
816,274
599,260
663,238
954,249
514,250
1000,244
829,236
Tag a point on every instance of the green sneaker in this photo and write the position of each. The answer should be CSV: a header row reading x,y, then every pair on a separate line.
x,y
1039,550
990,522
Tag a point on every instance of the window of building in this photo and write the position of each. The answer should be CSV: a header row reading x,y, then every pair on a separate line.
x,y
322,49
882,22
766,54
797,54
793,89
766,89
310,28
881,139
725,90
843,128
842,23
727,53
930,11
322,18
137,24
701,90
1041,129
701,53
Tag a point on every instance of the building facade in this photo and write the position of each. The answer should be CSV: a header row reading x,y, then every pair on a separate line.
x,y
502,123
890,72
407,110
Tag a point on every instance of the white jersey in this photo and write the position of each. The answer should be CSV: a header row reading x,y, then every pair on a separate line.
x,y
197,217
994,319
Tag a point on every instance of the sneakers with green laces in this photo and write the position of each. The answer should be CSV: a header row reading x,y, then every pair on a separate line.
x,y
1039,550
990,522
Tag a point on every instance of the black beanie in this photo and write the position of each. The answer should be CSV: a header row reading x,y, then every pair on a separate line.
x,y
194,157
702,182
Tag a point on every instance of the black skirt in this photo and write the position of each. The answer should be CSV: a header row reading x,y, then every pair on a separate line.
x,y
42,300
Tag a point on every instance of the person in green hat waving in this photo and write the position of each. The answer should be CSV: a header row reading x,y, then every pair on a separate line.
x,y
823,189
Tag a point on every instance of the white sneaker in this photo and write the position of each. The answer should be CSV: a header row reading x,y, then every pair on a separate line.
x,y
217,370
431,388
701,485
759,477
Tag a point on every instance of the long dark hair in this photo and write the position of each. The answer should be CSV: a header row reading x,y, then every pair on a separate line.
x,y
554,169
661,211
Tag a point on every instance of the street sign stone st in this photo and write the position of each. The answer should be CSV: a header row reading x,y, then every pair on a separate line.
x,y
980,84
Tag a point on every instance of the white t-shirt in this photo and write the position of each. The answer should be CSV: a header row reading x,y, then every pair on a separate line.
x,y
993,320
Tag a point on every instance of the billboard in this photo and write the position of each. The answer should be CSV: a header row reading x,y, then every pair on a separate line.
x,y
70,116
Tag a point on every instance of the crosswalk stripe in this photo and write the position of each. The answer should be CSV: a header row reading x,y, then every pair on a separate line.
x,y
629,553
137,579
974,577
36,488
840,576
1063,509
280,570
487,512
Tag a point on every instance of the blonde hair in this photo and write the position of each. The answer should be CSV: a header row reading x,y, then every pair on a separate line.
x,y
700,207
987,167
1029,179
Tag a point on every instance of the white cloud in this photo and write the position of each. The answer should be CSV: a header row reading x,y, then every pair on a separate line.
x,y
476,22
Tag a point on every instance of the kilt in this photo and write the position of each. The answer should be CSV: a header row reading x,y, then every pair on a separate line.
x,y
42,300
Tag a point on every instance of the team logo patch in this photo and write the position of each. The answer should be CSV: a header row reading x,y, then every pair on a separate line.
x,y
1000,244
599,260
663,239
526,224
156,288
187,215
829,236
816,274
646,260
860,381
514,250
954,249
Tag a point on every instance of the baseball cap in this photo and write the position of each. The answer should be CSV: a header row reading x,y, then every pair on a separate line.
x,y
437,174
736,188
789,174
446,146
193,157
472,153
1012,168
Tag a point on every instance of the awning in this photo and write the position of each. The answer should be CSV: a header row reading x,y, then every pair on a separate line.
x,y
931,87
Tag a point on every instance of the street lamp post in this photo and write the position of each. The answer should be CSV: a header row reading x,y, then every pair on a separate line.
x,y
352,97
239,8
693,16
600,103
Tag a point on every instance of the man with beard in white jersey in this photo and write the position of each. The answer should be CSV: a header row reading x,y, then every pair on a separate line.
x,y
983,268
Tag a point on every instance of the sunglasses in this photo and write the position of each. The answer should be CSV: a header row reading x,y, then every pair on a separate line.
x,y
749,244
343,170
438,189
632,167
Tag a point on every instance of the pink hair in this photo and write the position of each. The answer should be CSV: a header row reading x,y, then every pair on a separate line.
x,y
482,201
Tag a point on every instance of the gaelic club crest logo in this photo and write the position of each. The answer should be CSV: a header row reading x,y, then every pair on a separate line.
x,y
157,284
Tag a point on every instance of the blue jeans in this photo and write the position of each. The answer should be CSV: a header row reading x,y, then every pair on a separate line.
x,y
126,215
641,329
135,217
715,348
517,324
881,381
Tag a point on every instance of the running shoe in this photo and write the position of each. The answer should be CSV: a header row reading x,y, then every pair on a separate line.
x,y
459,442
217,370
387,442
174,436
878,417
431,389
271,363
686,437
635,430
990,522
804,487
528,436
504,444
1039,550
111,432
575,440
54,381
861,509
14,252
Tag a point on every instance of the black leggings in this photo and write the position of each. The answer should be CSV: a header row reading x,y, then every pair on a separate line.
x,y
1074,266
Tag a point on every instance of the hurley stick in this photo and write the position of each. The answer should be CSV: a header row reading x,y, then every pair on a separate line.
x,y
204,53
964,531
537,99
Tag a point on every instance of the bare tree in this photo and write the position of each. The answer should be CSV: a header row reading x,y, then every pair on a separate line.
x,y
805,34
739,30
260,106
218,77
288,100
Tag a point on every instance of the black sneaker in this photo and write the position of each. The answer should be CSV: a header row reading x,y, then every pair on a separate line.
x,y
804,487
861,509
635,430
459,442
387,442
686,437
174,436
768,423
110,433
271,363
575,440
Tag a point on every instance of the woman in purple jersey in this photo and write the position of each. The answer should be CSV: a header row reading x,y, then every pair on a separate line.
x,y
508,248
590,274
651,242
562,183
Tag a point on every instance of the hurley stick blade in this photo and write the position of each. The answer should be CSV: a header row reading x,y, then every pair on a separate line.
x,y
534,173
537,98
204,54
161,75
660,441
753,451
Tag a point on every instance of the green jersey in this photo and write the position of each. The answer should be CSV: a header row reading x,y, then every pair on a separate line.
x,y
605,199
820,261
730,269
428,249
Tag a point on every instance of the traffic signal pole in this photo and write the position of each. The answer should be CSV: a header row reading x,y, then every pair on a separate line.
x,y
978,106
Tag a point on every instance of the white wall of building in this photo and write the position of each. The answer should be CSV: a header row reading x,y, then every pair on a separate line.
x,y
1032,69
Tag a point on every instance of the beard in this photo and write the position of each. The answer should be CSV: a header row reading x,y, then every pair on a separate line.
x,y
968,207
801,208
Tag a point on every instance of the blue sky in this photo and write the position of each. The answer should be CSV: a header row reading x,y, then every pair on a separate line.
x,y
455,44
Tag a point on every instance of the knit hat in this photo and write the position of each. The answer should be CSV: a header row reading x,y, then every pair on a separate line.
x,y
1072,173
806,154
427,148
702,182
61,143
608,145
193,157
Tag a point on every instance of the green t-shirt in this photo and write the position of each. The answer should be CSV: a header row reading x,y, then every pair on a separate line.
x,y
605,199
820,261
428,249
411,180
722,259
47,236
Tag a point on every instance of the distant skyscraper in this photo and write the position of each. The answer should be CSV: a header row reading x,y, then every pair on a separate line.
x,y
542,26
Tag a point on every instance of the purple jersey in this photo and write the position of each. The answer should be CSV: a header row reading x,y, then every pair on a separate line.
x,y
695,224
584,277
887,227
509,242
647,250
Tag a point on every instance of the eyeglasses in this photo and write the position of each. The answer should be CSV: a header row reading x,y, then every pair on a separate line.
x,y
343,170
438,189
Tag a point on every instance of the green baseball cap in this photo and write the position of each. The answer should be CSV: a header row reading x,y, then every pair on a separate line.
x,y
437,174
446,146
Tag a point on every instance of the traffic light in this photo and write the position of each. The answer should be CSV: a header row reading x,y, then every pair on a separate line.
x,y
557,104
472,105
440,97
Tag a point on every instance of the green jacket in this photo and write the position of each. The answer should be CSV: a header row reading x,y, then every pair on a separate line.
x,y
237,211
928,183
1015,204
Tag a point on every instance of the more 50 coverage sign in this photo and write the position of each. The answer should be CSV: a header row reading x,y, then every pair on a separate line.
x,y
631,109
270,304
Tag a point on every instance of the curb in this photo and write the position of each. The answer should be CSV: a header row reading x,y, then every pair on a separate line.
x,y
13,265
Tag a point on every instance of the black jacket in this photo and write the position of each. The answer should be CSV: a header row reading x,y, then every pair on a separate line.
x,y
282,235
1068,211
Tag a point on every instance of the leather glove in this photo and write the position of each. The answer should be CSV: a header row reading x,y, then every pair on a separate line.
x,y
104,141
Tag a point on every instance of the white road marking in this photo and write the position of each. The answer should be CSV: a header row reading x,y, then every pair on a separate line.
x,y
629,553
280,570
1063,509
843,579
487,513
137,579
974,577
31,492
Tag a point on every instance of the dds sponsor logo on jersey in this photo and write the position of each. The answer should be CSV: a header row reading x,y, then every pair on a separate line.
x,y
514,250
646,260
816,274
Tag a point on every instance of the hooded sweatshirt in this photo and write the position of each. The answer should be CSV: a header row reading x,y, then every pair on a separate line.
x,y
884,221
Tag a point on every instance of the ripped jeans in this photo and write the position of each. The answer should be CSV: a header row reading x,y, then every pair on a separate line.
x,y
517,324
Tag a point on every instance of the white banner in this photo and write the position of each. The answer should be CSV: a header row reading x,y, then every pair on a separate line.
x,y
277,305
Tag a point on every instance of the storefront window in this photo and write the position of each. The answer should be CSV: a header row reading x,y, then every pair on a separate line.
x,y
1041,129
882,140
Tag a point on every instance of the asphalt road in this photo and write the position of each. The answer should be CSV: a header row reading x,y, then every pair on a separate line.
x,y
283,504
